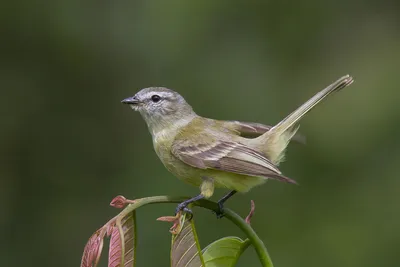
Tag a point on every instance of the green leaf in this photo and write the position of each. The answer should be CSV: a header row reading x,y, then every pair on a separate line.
x,y
224,252
185,247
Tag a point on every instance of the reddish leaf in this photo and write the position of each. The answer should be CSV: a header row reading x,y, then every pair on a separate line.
x,y
93,248
120,201
251,213
177,221
123,242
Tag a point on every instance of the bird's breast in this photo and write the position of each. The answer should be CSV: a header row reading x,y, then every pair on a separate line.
x,y
174,165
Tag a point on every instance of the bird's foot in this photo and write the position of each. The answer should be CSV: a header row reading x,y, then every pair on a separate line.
x,y
182,207
220,212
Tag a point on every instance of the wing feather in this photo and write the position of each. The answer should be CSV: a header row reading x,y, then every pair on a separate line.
x,y
228,156
251,128
254,129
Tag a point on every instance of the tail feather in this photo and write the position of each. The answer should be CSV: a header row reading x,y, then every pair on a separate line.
x,y
278,137
296,115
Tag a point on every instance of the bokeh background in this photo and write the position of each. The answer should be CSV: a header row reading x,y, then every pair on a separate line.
x,y
68,146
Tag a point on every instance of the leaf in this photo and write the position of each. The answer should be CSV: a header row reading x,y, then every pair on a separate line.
x,y
178,221
185,248
123,242
118,202
224,252
251,213
93,248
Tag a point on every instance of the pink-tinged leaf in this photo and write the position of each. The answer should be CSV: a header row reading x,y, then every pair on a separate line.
x,y
120,201
251,213
109,228
177,220
123,242
167,219
93,248
185,248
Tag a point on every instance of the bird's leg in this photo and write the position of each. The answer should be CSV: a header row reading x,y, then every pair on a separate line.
x,y
183,206
221,202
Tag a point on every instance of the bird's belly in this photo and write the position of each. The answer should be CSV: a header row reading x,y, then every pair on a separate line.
x,y
222,179
196,176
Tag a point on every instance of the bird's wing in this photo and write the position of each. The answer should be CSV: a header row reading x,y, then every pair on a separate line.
x,y
226,156
254,129
250,129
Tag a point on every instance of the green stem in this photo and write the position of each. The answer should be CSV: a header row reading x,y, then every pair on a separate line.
x,y
252,236
207,204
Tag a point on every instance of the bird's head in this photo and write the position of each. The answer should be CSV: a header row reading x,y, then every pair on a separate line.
x,y
160,107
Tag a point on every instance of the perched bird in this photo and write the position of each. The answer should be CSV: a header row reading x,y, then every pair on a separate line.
x,y
214,153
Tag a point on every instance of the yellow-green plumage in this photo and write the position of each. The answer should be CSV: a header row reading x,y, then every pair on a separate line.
x,y
211,153
199,131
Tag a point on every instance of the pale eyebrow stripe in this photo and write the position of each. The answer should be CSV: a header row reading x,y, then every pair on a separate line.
x,y
162,94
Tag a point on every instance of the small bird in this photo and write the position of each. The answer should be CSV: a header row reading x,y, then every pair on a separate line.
x,y
214,153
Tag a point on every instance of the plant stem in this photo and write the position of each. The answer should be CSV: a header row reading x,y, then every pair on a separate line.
x,y
251,235
207,204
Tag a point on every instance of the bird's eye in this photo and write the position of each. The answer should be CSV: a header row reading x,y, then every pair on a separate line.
x,y
155,98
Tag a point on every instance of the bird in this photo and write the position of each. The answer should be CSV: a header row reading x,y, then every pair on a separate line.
x,y
210,153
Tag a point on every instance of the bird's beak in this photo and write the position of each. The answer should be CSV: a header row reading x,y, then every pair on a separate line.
x,y
131,101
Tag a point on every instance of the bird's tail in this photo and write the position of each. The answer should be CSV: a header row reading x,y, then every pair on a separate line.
x,y
275,141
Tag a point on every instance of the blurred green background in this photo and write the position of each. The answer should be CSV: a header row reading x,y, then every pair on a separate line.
x,y
68,146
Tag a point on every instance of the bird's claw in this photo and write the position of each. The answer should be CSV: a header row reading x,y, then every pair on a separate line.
x,y
183,208
180,207
220,212
188,212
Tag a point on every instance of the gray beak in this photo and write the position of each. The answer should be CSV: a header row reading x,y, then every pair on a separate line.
x,y
131,101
